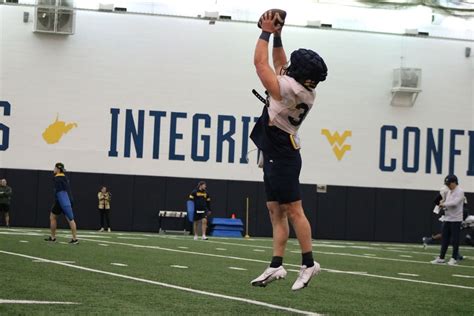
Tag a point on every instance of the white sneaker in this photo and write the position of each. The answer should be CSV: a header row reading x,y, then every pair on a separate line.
x,y
305,275
109,230
101,230
438,261
195,237
204,237
269,275
452,262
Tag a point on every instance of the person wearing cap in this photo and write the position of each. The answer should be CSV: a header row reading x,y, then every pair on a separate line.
x,y
453,216
202,208
62,204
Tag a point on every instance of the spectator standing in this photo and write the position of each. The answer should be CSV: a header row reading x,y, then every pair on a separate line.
x,y
105,197
202,208
5,200
453,217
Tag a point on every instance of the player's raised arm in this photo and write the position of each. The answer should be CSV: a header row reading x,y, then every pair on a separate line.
x,y
279,56
264,71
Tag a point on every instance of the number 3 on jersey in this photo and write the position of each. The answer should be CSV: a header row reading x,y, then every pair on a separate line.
x,y
304,108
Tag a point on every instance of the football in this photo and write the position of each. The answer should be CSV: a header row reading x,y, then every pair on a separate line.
x,y
272,12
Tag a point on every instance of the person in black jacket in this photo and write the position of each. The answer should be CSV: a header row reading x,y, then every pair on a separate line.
x,y
202,208
5,200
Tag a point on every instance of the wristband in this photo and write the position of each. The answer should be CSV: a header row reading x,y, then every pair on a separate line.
x,y
265,36
277,42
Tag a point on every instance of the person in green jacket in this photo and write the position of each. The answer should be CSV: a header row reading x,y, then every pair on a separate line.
x,y
5,200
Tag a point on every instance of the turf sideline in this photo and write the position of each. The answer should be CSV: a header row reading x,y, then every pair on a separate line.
x,y
364,256
172,286
287,264
36,302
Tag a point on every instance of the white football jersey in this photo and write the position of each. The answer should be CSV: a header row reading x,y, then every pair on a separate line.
x,y
296,102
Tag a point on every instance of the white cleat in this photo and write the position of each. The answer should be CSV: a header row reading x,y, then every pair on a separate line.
x,y
438,261
269,275
452,262
305,275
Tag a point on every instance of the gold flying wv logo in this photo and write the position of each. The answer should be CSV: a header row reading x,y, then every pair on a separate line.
x,y
337,142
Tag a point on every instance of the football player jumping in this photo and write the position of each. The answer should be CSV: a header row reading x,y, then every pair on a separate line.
x,y
291,96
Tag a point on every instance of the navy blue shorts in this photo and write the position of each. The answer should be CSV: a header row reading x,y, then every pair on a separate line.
x,y
281,177
198,215
57,210
4,208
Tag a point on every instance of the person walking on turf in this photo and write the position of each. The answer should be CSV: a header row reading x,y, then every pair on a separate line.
x,y
291,96
202,208
62,204
439,212
104,197
453,217
5,200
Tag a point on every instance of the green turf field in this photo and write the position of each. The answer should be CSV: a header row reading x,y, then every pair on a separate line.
x,y
139,273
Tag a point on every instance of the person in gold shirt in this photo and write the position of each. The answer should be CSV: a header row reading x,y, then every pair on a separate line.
x,y
104,197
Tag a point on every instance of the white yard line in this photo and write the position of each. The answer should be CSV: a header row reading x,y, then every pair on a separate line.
x,y
237,268
259,250
178,266
42,261
20,233
346,272
103,245
368,256
408,274
21,229
329,246
386,259
24,241
326,253
292,265
221,249
172,286
263,239
406,256
182,247
129,238
336,242
119,264
463,276
36,302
